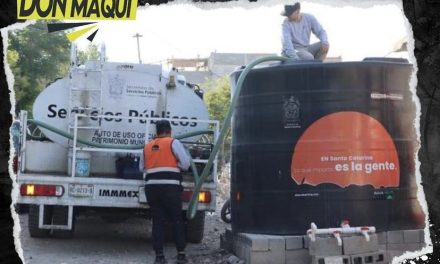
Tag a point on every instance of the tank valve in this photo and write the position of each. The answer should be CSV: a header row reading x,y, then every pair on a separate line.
x,y
312,232
364,231
337,235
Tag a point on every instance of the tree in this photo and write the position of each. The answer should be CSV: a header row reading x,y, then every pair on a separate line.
x,y
91,53
36,58
218,100
218,97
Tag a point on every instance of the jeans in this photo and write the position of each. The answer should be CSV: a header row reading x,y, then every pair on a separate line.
x,y
311,52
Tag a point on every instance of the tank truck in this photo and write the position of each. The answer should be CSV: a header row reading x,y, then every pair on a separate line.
x,y
95,122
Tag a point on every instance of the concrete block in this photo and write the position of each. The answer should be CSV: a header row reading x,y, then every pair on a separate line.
x,y
411,247
378,257
255,241
383,247
246,252
240,252
405,247
241,249
299,256
422,235
325,246
238,249
294,242
411,236
382,238
306,240
396,247
265,257
277,243
395,237
358,245
330,260
381,257
260,249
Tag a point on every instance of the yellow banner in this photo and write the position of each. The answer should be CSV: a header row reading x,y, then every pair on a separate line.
x,y
77,9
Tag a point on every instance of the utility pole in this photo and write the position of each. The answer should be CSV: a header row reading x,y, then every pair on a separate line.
x,y
137,36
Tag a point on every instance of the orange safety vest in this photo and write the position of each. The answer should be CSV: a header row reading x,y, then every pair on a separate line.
x,y
159,156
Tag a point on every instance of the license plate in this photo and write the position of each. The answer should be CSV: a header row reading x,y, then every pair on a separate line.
x,y
81,190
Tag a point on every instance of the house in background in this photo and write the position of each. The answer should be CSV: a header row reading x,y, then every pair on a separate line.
x,y
195,70
221,64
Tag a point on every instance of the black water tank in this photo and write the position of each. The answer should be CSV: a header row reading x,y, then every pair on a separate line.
x,y
324,142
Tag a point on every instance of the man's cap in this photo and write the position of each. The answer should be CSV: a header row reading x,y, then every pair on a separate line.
x,y
163,125
289,9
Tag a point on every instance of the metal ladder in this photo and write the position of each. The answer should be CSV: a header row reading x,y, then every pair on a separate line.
x,y
85,97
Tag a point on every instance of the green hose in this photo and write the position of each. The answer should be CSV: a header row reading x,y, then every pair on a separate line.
x,y
96,145
192,207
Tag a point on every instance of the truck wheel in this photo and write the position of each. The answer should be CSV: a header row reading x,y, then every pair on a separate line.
x,y
60,217
225,213
195,228
34,215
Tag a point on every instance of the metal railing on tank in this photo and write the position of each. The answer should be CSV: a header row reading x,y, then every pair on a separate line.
x,y
99,147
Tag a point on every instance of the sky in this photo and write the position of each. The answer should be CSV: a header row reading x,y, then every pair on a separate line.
x,y
190,30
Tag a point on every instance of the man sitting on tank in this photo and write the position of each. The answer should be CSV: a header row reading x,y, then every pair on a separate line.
x,y
296,31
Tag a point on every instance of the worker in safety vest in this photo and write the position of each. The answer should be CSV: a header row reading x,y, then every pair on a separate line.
x,y
164,158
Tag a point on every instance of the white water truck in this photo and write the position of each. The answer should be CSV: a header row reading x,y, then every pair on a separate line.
x,y
95,122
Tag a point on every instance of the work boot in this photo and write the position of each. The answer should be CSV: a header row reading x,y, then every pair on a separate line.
x,y
181,258
160,260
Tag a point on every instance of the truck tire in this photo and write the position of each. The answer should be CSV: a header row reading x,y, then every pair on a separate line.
x,y
225,213
195,228
60,217
34,215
